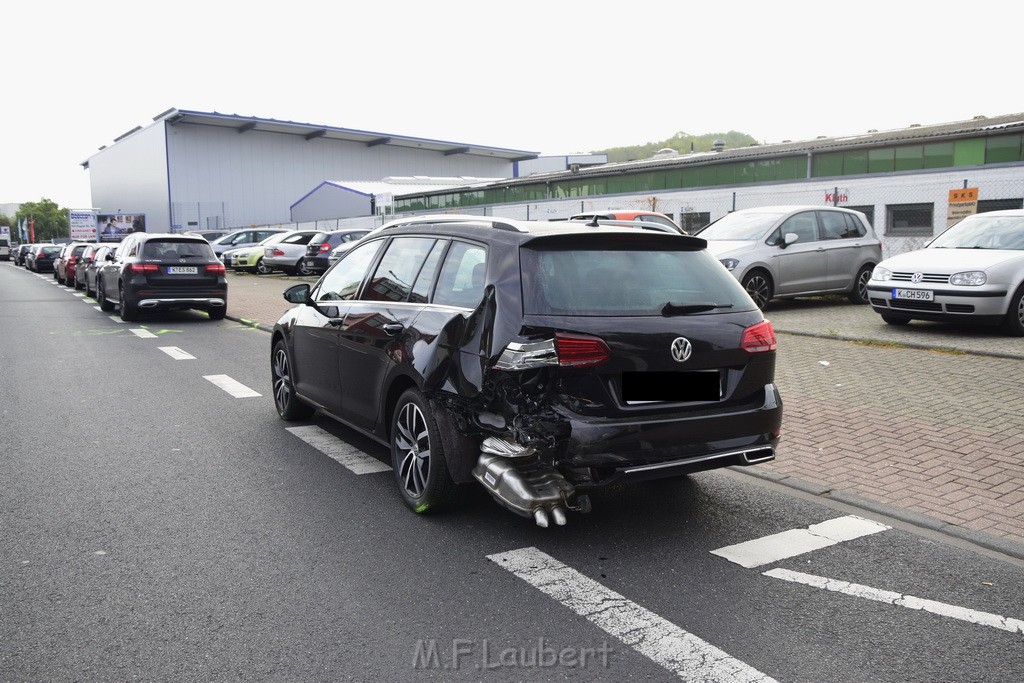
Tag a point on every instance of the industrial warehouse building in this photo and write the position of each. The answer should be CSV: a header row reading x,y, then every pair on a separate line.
x,y
904,180
192,170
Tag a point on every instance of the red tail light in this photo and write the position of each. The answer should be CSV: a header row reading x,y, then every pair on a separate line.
x,y
144,267
71,260
581,351
326,246
759,339
277,252
216,269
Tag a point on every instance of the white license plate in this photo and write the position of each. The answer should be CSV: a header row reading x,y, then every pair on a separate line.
x,y
182,270
916,294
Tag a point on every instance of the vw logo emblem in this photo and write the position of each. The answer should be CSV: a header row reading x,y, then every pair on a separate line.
x,y
917,277
681,349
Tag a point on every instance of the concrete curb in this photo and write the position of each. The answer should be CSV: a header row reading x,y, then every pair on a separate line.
x,y
900,344
978,538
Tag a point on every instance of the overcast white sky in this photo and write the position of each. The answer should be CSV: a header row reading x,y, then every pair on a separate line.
x,y
543,76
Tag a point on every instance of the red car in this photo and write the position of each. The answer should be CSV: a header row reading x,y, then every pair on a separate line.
x,y
64,265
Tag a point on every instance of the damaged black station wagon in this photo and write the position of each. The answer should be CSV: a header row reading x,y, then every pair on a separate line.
x,y
538,359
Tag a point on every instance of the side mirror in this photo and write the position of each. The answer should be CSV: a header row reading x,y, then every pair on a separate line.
x,y
788,239
298,294
109,256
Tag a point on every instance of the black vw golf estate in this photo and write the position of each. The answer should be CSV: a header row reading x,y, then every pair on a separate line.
x,y
538,359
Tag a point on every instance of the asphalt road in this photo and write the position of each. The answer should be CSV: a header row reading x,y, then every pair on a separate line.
x,y
157,527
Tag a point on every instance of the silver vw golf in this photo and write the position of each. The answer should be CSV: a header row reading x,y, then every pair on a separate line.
x,y
971,273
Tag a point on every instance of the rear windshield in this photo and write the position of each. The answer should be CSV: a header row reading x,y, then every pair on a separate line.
x,y
176,249
740,226
624,281
51,250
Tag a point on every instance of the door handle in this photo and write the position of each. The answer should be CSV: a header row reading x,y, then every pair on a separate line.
x,y
393,329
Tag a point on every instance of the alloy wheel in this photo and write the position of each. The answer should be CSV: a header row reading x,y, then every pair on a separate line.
x,y
412,442
759,290
282,380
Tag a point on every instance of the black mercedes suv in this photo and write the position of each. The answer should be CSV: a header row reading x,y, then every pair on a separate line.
x,y
151,271
538,359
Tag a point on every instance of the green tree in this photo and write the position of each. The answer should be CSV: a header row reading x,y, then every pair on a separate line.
x,y
682,142
51,220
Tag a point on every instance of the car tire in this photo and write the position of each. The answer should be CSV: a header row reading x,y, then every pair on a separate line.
x,y
288,405
418,457
1014,323
129,310
101,298
217,313
78,285
303,268
759,286
895,320
262,268
859,293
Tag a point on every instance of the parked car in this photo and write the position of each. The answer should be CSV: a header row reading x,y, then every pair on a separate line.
x,y
242,238
250,259
628,215
19,254
64,265
154,271
318,251
289,255
789,251
340,250
536,358
6,247
41,257
209,235
971,273
92,259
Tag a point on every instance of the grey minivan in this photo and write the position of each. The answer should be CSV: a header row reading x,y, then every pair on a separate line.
x,y
788,251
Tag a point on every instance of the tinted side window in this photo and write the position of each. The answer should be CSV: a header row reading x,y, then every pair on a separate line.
x,y
833,225
804,225
462,276
856,227
401,263
298,239
421,290
342,282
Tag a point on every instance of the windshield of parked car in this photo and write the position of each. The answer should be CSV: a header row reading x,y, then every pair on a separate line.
x,y
624,281
983,232
740,226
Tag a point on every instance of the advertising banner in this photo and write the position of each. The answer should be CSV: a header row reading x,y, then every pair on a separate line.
x,y
114,226
82,225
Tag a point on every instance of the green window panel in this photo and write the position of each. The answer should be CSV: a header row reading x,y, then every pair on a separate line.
x,y
938,155
708,175
763,171
825,165
673,178
881,160
1002,148
969,152
691,177
791,168
910,158
855,162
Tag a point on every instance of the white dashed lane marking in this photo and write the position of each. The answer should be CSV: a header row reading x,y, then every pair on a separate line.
x,y
176,353
900,600
348,456
681,652
141,333
798,541
115,318
233,387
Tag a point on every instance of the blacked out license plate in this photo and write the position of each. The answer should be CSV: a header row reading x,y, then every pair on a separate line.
x,y
647,387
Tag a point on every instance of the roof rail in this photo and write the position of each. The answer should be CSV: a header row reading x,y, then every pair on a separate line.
x,y
497,224
597,222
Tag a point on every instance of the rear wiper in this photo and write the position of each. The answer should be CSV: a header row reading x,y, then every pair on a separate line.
x,y
672,308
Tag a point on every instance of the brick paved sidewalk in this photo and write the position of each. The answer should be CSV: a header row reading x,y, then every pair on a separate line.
x,y
924,422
